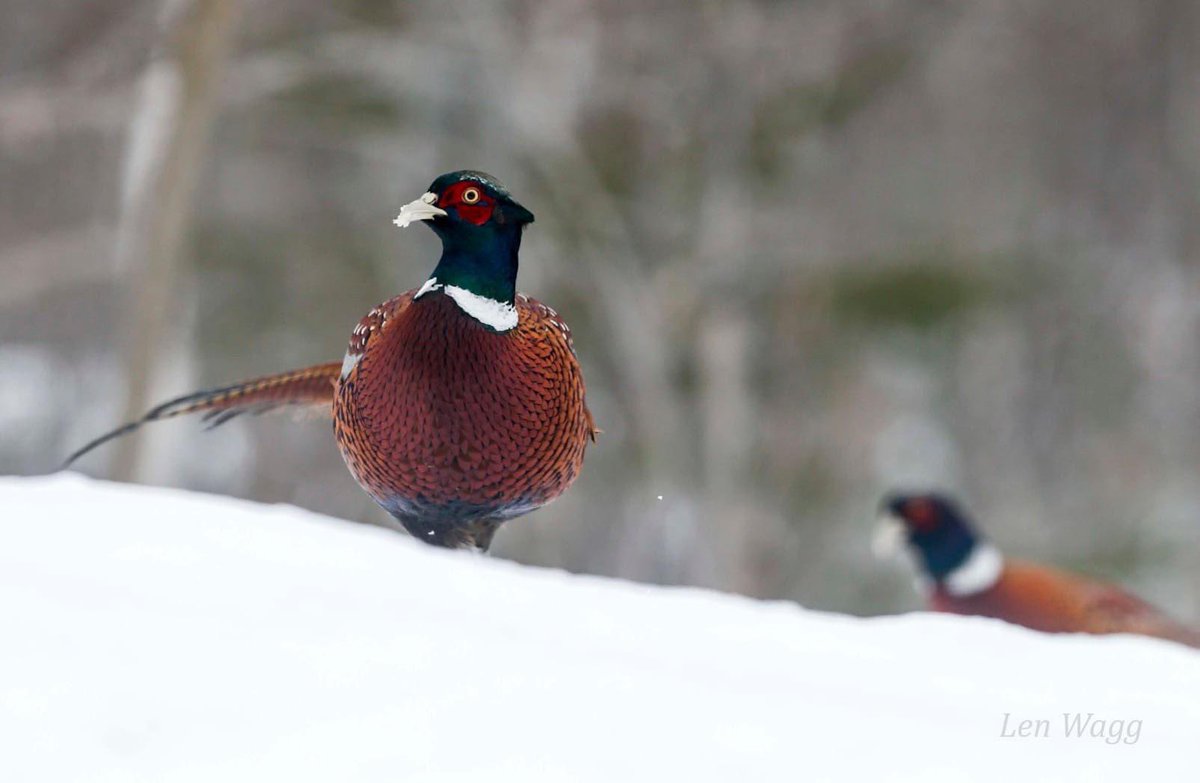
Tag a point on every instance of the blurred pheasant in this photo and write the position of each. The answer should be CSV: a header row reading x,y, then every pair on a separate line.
x,y
966,574
459,404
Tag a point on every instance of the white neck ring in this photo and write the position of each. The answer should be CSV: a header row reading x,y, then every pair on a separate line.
x,y
500,316
979,572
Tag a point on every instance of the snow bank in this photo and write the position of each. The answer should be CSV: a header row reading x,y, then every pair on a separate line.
x,y
159,635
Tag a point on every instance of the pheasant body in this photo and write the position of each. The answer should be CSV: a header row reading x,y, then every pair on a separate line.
x,y
1054,601
458,405
453,427
965,574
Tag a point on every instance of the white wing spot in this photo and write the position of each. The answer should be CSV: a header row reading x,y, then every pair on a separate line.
x,y
430,285
349,363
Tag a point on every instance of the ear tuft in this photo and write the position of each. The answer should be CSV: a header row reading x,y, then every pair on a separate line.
x,y
512,213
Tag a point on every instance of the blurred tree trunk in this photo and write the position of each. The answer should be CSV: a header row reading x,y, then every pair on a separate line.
x,y
167,141
729,434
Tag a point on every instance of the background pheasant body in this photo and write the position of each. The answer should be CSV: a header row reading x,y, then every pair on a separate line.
x,y
458,405
1054,601
965,574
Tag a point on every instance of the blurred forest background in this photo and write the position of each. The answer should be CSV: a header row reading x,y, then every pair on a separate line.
x,y
809,251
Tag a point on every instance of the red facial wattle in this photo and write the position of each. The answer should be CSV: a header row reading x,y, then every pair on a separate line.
x,y
921,515
469,200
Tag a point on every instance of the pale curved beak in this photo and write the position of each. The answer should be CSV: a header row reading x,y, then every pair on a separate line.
x,y
888,539
421,209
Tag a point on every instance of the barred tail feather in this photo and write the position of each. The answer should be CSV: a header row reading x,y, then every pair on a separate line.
x,y
310,386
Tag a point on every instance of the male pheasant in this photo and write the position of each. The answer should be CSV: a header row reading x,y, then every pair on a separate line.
x,y
967,575
459,404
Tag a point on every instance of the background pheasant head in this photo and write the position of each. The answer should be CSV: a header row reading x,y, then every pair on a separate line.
x,y
934,527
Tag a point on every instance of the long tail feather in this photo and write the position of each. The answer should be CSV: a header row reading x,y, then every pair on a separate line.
x,y
310,386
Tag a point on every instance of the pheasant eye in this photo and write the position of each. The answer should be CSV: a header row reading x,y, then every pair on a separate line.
x,y
470,196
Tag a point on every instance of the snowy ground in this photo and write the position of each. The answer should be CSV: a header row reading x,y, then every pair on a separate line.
x,y
164,636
